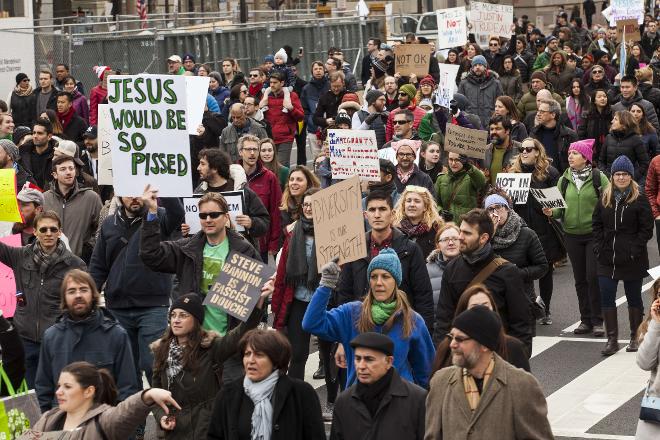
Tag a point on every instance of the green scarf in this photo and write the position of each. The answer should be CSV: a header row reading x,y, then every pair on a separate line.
x,y
381,311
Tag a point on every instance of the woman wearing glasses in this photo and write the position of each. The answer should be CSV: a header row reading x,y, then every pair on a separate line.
x,y
447,248
622,225
416,215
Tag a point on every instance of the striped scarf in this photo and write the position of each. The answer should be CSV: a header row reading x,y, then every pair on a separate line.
x,y
471,390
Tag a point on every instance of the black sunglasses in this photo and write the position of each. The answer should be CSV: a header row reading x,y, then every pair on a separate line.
x,y
526,149
53,229
213,215
399,122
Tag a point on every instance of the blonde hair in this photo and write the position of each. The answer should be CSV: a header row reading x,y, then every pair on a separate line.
x,y
541,166
608,193
366,322
431,216
644,74
287,198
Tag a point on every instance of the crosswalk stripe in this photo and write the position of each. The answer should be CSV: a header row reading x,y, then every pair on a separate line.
x,y
560,433
570,328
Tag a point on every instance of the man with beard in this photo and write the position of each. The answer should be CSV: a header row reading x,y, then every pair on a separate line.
x,y
9,159
137,296
30,203
240,125
406,97
481,88
85,332
374,118
501,150
529,101
407,172
37,154
554,136
479,264
460,398
391,90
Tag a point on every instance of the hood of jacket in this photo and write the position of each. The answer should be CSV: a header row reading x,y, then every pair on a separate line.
x,y
101,317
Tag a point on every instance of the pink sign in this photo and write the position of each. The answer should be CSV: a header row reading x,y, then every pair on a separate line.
x,y
7,283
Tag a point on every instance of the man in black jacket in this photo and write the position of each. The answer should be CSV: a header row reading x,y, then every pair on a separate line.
x,y
73,125
326,109
373,45
37,154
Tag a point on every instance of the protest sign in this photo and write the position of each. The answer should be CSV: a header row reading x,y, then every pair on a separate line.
x,y
197,88
488,19
412,58
9,211
630,28
18,414
104,171
354,153
149,137
234,200
549,197
237,288
7,282
447,86
338,223
625,9
452,27
516,185
467,141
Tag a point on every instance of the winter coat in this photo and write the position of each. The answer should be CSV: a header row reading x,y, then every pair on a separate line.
x,y
596,125
459,192
412,355
650,44
79,213
527,103
576,219
98,339
510,153
481,92
561,81
651,143
296,411
80,105
327,107
221,94
448,415
400,414
621,232
418,178
625,144
117,264
426,241
518,131
13,358
651,94
96,96
512,86
353,284
649,109
195,390
43,174
267,187
23,109
590,86
524,62
418,114
652,186
435,266
75,130
231,134
309,99
284,293
378,125
647,359
285,125
564,137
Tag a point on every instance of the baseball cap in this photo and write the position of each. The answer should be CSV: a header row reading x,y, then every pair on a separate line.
x,y
175,58
69,148
31,195
91,132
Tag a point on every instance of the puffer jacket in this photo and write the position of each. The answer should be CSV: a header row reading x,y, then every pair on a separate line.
x,y
625,144
80,105
652,186
481,92
220,95
23,109
435,266
524,62
577,217
651,94
512,86
284,124
649,110
459,192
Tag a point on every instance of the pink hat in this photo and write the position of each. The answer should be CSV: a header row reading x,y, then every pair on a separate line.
x,y
585,147
100,70
414,145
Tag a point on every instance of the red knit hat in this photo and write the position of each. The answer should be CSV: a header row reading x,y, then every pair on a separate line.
x,y
428,79
350,97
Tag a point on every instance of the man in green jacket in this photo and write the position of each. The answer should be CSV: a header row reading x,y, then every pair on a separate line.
x,y
458,190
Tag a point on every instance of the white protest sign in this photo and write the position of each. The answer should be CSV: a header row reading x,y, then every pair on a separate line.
x,y
452,27
488,19
104,127
197,88
626,9
516,185
149,136
234,200
447,86
549,197
354,152
654,272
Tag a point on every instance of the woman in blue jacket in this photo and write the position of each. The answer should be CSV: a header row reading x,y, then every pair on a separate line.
x,y
385,309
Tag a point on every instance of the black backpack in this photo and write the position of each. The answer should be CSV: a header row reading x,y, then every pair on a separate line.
x,y
595,181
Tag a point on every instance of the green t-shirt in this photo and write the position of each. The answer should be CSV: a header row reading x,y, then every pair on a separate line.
x,y
496,165
214,258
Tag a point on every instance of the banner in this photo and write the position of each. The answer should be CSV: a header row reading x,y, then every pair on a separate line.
x,y
18,414
234,200
412,58
516,185
104,128
9,211
628,27
488,19
7,282
237,288
466,141
452,27
197,88
354,153
447,86
339,223
149,136
549,197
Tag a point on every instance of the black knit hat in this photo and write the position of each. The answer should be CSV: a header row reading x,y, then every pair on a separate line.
x,y
190,303
481,324
20,77
374,341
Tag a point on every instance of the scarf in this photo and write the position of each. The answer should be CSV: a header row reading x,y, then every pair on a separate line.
x,y
478,254
255,89
174,364
621,195
470,385
43,259
298,269
371,395
21,92
404,176
574,112
381,311
65,118
260,393
581,176
507,234
413,231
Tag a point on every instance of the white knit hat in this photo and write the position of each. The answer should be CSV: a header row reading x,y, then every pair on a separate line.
x,y
282,54
100,70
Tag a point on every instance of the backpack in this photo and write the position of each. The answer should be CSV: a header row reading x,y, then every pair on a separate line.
x,y
595,180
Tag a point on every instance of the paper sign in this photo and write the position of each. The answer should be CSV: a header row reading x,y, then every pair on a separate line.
x,y
105,155
549,197
9,211
149,135
7,282
412,58
654,272
197,87
488,19
466,141
237,288
339,223
516,185
18,414
625,9
630,27
447,86
354,152
234,200
452,27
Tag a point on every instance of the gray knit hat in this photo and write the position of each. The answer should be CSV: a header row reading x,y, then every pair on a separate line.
x,y
10,148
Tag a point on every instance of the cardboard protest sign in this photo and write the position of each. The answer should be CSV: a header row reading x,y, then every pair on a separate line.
x,y
488,19
197,88
447,86
354,152
516,185
467,141
630,28
452,27
235,200
7,282
104,128
338,223
18,414
412,58
549,197
149,135
9,211
237,288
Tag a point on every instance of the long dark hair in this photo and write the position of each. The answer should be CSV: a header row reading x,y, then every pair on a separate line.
x,y
191,351
87,375
645,126
582,98
514,67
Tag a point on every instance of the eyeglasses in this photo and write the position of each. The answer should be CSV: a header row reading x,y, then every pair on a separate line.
x,y
25,80
395,122
244,91
458,339
526,149
405,155
621,175
181,315
52,229
493,44
213,215
598,71
448,239
539,111
494,208
250,150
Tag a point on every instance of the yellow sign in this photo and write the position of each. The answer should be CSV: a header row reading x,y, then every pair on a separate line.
x,y
9,211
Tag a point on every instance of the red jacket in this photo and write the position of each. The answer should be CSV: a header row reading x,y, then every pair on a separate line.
x,y
652,186
267,186
418,113
283,294
284,125
96,97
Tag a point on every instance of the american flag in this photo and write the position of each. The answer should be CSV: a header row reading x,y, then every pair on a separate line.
x,y
141,7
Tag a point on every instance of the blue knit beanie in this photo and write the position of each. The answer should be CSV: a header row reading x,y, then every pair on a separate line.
x,y
495,199
269,59
622,163
479,59
387,260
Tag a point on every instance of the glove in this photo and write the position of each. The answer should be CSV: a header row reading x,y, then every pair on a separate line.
x,y
465,161
453,107
371,118
330,274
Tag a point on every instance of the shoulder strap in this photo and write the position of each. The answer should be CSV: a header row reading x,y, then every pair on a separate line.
x,y
595,179
487,271
99,428
453,193
564,185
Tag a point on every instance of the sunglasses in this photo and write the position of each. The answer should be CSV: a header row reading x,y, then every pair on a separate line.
x,y
253,76
52,229
244,91
493,44
598,71
402,94
399,122
526,149
213,215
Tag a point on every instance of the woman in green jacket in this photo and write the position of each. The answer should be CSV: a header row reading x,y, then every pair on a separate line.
x,y
581,194
458,190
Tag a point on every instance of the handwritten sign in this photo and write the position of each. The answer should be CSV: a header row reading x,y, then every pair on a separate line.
x,y
354,152
197,87
489,19
7,282
452,27
104,171
466,141
149,136
630,28
412,58
237,288
338,223
626,9
516,185
234,200
9,211
549,197
447,86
